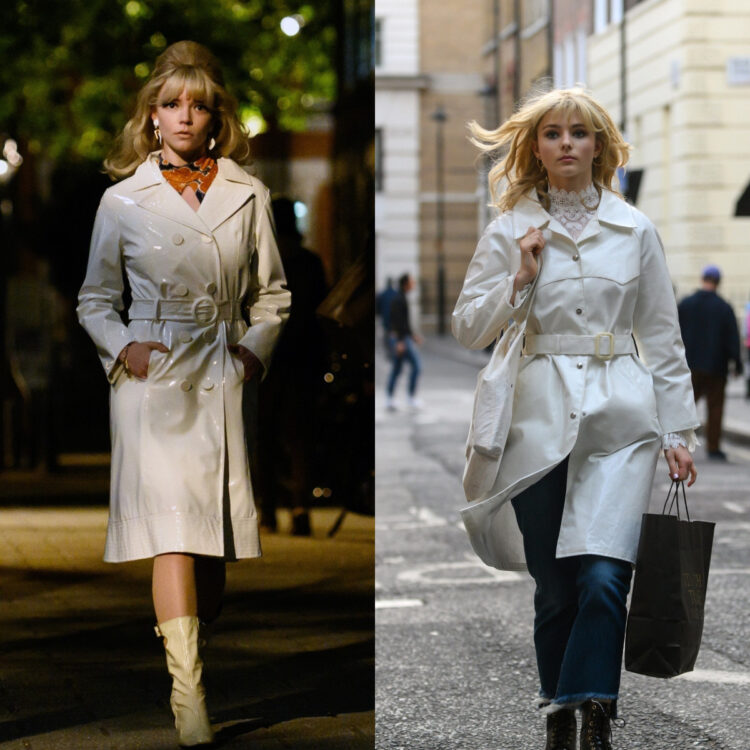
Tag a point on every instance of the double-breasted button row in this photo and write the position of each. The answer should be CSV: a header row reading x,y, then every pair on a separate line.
x,y
180,290
178,239
206,385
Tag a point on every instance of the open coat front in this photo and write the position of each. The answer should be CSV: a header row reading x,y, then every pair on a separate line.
x,y
180,475
607,415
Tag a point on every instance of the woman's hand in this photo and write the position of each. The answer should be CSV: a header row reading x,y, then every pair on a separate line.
x,y
135,356
681,464
532,244
250,362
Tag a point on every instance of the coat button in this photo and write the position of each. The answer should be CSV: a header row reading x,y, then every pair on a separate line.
x,y
576,257
573,415
185,338
206,239
210,287
178,239
180,290
579,311
580,365
208,384
186,385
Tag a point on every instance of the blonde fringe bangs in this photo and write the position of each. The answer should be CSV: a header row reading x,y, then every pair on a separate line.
x,y
137,139
515,170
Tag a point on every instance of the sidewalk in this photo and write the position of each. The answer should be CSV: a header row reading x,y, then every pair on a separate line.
x,y
735,426
290,664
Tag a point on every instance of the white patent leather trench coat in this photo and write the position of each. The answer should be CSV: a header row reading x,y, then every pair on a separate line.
x,y
180,474
607,415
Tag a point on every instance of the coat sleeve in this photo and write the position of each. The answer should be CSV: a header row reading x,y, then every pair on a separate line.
x,y
484,305
100,299
657,329
268,299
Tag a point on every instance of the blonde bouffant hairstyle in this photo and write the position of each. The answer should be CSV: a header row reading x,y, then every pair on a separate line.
x,y
516,170
183,65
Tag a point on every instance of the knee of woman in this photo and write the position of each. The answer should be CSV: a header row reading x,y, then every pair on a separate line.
x,y
604,579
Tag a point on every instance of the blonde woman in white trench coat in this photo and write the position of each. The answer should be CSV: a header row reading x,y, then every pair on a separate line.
x,y
590,411
190,232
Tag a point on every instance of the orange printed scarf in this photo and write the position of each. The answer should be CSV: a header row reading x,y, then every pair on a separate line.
x,y
199,175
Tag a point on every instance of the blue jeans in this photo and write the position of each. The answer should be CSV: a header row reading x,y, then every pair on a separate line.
x,y
411,355
580,602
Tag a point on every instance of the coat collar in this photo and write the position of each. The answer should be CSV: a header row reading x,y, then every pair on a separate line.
x,y
528,212
231,189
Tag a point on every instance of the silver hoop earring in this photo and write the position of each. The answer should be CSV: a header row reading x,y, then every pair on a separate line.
x,y
212,144
157,132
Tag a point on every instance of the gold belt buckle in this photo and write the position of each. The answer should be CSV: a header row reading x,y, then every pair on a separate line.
x,y
597,345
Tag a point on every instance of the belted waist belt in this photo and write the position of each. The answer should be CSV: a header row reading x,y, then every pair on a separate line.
x,y
201,310
603,345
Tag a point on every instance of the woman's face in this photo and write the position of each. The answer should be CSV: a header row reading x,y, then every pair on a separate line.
x,y
567,149
185,124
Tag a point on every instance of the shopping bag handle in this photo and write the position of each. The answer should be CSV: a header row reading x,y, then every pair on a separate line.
x,y
673,501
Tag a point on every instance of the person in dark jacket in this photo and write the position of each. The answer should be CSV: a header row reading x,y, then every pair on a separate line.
x,y
403,343
383,308
712,340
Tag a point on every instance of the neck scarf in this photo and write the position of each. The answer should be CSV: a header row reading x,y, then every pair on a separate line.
x,y
197,175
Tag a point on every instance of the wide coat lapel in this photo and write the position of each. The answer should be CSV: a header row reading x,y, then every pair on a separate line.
x,y
231,189
153,193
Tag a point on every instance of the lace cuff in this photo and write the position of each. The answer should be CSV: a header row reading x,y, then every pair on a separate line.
x,y
684,438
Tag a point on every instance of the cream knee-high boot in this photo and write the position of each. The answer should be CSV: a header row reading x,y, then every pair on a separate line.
x,y
188,699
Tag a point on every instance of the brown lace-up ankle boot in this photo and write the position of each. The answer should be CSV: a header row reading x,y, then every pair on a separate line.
x,y
596,733
561,730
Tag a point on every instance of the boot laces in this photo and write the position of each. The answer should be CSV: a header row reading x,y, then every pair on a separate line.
x,y
597,731
561,730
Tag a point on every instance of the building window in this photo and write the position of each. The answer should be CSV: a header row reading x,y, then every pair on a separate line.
x,y
379,160
601,16
534,10
377,45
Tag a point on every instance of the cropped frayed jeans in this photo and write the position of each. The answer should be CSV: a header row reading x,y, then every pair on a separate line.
x,y
580,602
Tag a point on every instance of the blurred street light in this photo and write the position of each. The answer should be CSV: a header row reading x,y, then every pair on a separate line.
x,y
439,117
291,25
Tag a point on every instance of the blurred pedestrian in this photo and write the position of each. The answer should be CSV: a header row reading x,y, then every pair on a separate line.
x,y
747,348
712,341
383,308
288,398
403,344
589,416
33,331
191,233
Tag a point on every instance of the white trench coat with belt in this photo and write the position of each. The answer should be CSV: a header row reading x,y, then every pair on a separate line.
x,y
606,414
180,475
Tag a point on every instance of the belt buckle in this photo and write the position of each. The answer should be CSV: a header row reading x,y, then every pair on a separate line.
x,y
597,345
205,311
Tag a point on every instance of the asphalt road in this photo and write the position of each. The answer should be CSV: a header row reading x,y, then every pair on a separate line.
x,y
455,666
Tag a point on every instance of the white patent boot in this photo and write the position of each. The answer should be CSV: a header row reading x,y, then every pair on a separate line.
x,y
188,699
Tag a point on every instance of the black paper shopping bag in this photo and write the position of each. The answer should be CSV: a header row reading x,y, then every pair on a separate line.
x,y
665,622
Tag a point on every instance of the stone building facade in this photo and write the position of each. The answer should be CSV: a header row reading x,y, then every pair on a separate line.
x,y
687,104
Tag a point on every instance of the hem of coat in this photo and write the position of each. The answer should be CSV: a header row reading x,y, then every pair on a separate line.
x,y
599,553
147,537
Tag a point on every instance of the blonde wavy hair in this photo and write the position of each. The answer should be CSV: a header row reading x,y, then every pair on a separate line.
x,y
516,169
189,66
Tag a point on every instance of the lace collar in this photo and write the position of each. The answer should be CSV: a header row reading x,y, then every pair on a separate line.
x,y
573,209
